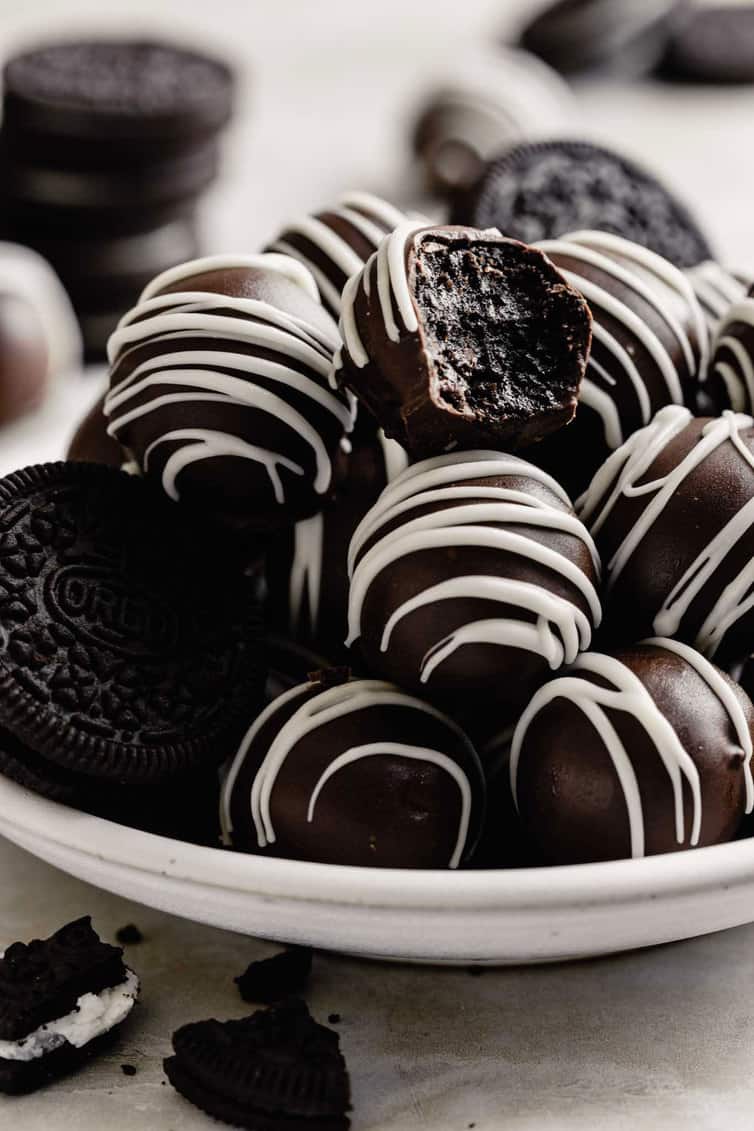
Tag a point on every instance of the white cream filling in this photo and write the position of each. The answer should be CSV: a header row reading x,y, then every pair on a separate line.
x,y
93,1015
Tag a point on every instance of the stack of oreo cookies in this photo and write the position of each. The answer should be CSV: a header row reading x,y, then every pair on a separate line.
x,y
106,149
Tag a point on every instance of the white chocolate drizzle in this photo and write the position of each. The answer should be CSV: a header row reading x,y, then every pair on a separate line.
x,y
620,477
222,374
717,289
654,282
627,694
732,359
372,217
316,711
466,513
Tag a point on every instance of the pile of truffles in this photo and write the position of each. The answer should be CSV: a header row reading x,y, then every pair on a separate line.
x,y
355,454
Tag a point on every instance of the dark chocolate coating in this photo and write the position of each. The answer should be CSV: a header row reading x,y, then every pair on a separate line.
x,y
498,352
712,45
729,384
379,810
91,442
649,349
278,409
671,564
23,357
572,805
334,243
307,569
483,682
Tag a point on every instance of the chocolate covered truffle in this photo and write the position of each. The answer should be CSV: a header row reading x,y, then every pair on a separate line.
x,y
642,751
39,337
716,289
92,443
731,376
335,243
672,513
471,579
354,773
219,389
455,337
307,566
650,345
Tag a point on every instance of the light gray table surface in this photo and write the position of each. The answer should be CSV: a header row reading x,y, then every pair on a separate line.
x,y
661,1039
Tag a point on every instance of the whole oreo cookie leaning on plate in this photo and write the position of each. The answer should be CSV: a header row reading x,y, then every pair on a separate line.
x,y
61,998
277,1069
574,35
137,98
543,190
455,337
129,651
712,45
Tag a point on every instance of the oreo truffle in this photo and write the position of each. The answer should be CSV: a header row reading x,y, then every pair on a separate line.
x,y
219,389
717,289
731,377
61,1000
39,336
129,647
354,773
672,513
633,753
454,337
471,580
335,243
650,346
307,567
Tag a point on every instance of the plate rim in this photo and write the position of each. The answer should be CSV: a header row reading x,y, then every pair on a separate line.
x,y
671,875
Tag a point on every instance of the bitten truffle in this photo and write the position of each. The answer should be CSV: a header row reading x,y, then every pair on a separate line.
x,y
455,337
634,753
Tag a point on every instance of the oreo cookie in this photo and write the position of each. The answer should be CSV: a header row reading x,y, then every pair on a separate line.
x,y
576,35
61,1000
546,189
141,99
278,977
712,45
277,1069
129,642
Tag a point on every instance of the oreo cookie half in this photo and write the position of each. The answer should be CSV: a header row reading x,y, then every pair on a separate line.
x,y
129,645
276,1069
61,998
543,190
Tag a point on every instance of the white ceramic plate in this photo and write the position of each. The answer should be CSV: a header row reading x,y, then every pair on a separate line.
x,y
496,917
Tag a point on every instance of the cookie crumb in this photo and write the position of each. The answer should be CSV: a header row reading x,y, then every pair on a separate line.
x,y
128,1069
333,1018
129,935
273,979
